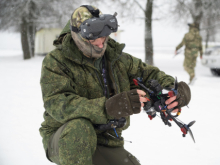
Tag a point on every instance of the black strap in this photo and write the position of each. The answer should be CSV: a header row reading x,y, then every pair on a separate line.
x,y
74,29
94,12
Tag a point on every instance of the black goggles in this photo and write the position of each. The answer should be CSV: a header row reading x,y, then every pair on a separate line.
x,y
97,27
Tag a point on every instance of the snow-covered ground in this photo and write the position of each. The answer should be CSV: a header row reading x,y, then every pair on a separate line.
x,y
153,143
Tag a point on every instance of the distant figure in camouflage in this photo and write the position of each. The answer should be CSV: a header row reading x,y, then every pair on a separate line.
x,y
193,44
89,94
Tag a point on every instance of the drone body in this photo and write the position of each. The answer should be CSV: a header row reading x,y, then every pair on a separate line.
x,y
156,104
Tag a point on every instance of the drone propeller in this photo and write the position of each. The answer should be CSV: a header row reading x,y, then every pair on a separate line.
x,y
191,134
185,128
191,123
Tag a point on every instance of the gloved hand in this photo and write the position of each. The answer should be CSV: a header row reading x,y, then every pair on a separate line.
x,y
183,94
123,104
116,123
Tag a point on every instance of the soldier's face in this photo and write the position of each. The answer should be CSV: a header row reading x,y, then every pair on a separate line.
x,y
98,42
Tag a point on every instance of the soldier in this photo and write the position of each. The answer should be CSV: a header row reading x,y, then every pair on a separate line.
x,y
87,88
193,44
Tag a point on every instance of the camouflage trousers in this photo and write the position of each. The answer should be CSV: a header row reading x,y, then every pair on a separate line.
x,y
76,143
189,63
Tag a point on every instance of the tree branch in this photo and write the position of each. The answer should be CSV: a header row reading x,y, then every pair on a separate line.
x,y
209,27
139,5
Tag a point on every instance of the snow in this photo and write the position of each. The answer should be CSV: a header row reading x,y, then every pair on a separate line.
x,y
152,142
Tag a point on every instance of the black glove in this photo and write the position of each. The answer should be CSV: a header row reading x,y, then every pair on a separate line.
x,y
183,94
117,123
123,104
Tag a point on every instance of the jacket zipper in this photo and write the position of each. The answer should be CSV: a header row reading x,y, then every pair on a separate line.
x,y
100,83
112,63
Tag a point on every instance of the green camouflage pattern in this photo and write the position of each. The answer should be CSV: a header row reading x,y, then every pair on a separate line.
x,y
80,15
78,137
193,44
71,89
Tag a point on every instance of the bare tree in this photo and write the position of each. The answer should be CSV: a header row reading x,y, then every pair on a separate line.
x,y
20,16
204,13
148,33
25,16
134,10
211,21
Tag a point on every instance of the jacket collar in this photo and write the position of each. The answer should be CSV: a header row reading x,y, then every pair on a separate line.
x,y
71,51
113,50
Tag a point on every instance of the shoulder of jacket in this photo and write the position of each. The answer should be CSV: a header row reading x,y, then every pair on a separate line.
x,y
54,56
126,58
115,45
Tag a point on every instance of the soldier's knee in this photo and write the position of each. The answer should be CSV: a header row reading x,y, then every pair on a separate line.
x,y
79,130
79,127
77,142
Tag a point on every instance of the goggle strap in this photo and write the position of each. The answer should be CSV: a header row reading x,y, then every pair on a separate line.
x,y
94,12
74,29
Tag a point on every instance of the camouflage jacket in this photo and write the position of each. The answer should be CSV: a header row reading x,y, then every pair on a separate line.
x,y
71,89
192,40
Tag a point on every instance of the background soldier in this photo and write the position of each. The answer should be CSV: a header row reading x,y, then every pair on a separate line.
x,y
193,44
89,94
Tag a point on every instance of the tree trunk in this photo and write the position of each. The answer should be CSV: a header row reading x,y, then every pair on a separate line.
x,y
25,40
198,14
207,33
207,39
148,33
32,32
